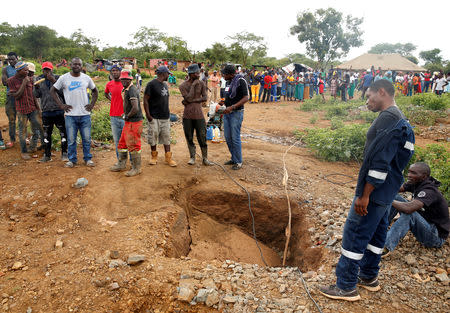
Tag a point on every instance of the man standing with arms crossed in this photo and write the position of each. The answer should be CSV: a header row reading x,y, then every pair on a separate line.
x,y
52,115
388,149
214,79
10,107
78,110
156,105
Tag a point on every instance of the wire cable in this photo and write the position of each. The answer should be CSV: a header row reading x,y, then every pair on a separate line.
x,y
307,291
249,208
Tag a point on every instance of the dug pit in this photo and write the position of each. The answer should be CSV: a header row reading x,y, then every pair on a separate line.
x,y
220,228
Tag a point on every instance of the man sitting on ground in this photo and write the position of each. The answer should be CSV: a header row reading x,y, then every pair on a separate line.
x,y
426,215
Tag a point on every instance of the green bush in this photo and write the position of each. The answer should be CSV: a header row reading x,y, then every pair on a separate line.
x,y
101,125
431,101
438,158
420,116
99,74
336,122
342,109
367,116
343,144
314,118
61,70
179,74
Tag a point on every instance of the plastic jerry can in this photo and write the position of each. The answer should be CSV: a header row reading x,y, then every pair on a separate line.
x,y
210,133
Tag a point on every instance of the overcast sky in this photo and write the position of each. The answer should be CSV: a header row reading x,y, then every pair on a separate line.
x,y
203,22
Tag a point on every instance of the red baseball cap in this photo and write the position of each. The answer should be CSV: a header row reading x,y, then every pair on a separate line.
x,y
125,75
48,65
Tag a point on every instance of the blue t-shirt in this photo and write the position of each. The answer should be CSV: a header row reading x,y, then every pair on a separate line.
x,y
367,80
10,72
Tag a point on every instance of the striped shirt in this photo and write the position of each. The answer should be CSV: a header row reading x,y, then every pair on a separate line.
x,y
26,103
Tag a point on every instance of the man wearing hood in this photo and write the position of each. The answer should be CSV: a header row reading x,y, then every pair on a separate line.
x,y
426,216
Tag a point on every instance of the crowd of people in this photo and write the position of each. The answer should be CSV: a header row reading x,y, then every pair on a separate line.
x,y
49,101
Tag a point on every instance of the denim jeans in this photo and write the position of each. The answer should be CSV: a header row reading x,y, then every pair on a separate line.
x,y
273,93
260,92
362,245
10,109
73,125
117,124
426,233
36,128
232,130
426,86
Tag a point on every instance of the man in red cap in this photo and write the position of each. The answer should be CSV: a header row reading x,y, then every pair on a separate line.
x,y
130,140
52,115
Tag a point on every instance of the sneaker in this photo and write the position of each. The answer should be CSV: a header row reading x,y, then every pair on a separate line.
x,y
385,253
236,166
2,145
45,159
64,157
369,284
69,164
89,163
334,292
229,162
10,144
26,156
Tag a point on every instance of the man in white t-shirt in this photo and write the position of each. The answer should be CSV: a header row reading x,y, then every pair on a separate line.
x,y
78,109
441,82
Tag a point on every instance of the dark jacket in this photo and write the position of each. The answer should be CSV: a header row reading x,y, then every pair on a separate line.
x,y
43,92
384,162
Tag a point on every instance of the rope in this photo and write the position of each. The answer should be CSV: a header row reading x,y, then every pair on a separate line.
x,y
288,228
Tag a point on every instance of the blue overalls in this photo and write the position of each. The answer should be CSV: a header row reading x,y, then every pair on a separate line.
x,y
364,236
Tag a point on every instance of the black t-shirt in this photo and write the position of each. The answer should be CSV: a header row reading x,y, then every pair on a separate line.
x,y
435,207
241,92
129,94
158,101
385,120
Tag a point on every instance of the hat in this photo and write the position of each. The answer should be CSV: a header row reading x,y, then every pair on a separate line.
x,y
229,69
117,66
193,68
162,69
125,75
48,65
20,65
31,67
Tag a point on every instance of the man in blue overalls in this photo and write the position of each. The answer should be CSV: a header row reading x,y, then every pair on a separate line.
x,y
388,149
10,107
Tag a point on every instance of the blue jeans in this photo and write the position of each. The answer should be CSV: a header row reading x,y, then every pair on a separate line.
x,y
117,123
261,89
232,130
426,233
426,86
73,125
362,245
273,93
10,109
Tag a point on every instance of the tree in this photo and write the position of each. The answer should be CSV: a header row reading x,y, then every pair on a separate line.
x,y
176,48
412,59
7,35
246,44
328,35
302,59
36,40
148,39
403,49
218,53
88,43
431,56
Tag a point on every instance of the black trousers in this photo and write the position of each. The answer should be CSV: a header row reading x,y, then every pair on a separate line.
x,y
189,125
47,123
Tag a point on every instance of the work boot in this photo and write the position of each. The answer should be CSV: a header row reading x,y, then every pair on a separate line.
x,y
169,159
154,158
121,163
206,162
192,155
135,164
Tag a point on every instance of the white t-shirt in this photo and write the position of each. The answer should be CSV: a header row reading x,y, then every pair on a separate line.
x,y
440,83
75,92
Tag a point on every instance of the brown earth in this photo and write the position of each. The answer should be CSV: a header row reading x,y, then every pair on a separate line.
x,y
182,219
